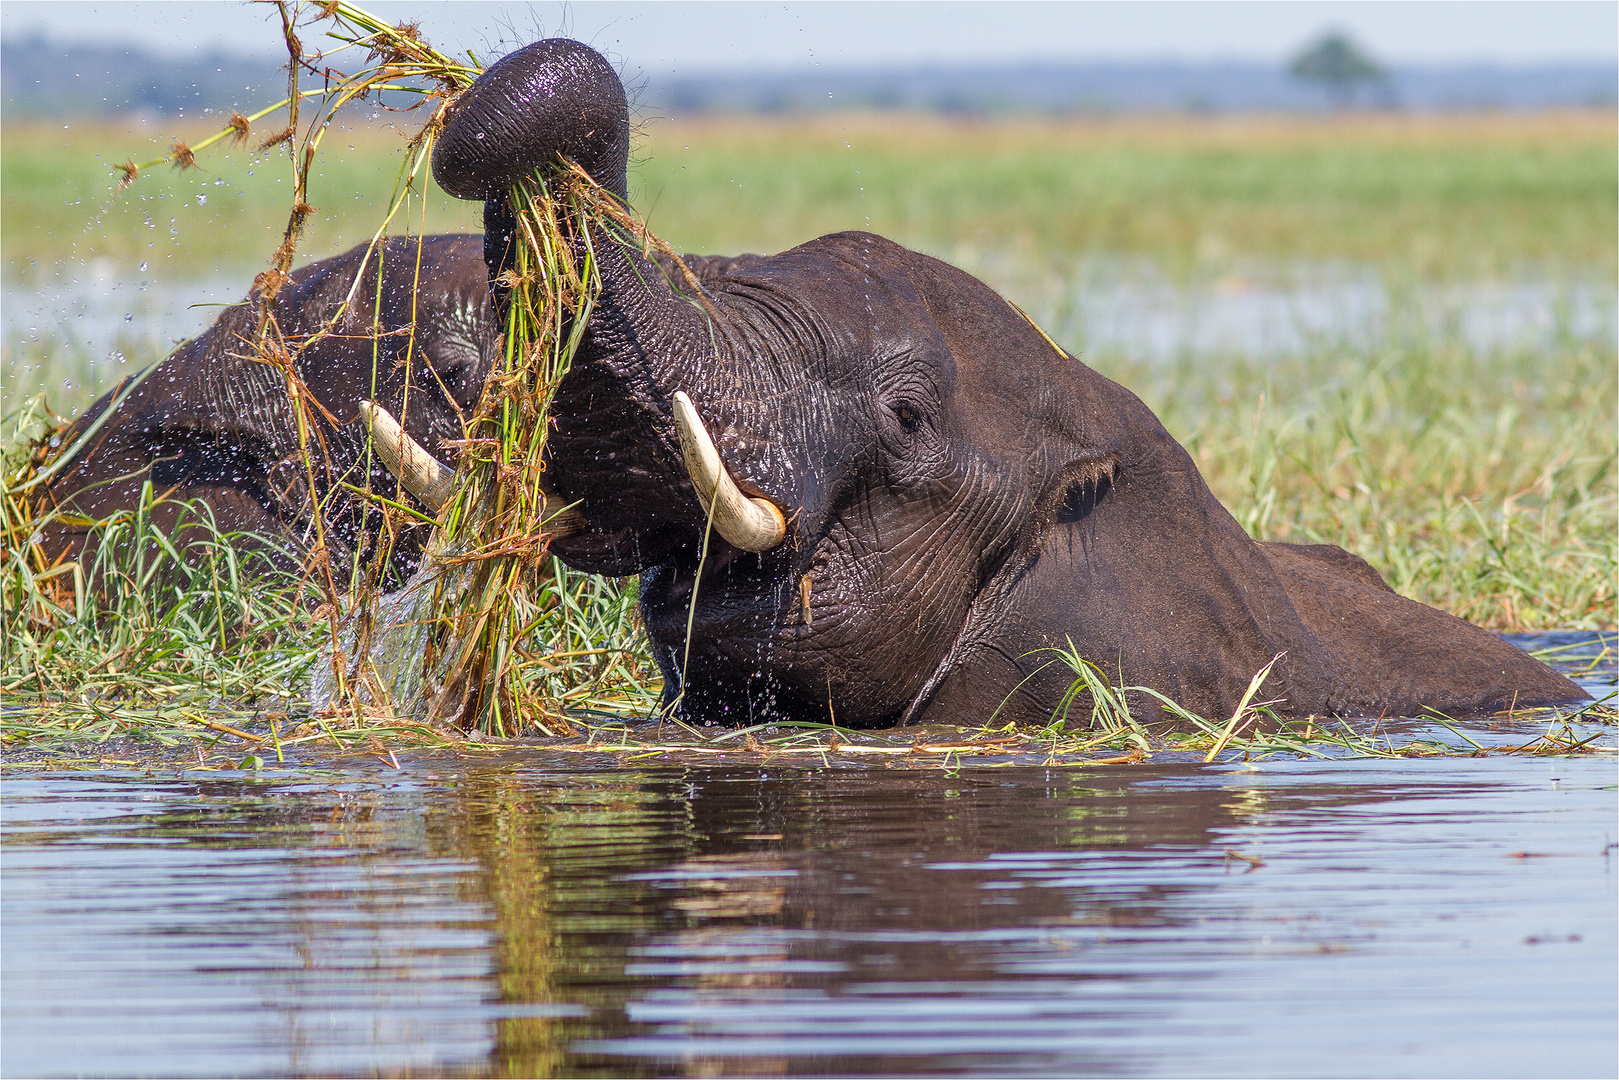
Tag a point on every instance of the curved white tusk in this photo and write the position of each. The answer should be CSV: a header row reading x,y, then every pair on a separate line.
x,y
418,471
751,524
433,482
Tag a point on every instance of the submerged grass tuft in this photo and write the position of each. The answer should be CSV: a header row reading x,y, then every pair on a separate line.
x,y
1255,730
161,632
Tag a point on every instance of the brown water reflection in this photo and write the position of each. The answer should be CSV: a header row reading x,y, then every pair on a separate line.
x,y
647,882
504,916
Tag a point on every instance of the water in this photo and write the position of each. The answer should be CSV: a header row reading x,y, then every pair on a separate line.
x,y
521,912
1133,310
74,338
1098,306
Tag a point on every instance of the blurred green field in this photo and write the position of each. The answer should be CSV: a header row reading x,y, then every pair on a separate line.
x,y
1440,196
1480,479
60,207
1437,196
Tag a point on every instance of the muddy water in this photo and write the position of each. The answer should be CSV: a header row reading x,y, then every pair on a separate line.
x,y
515,914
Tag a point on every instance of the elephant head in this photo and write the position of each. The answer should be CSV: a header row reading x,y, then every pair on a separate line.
x,y
214,423
939,494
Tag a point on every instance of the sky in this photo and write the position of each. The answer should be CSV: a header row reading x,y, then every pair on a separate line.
x,y
676,37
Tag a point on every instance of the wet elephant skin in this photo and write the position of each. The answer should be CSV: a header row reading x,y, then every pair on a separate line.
x,y
963,496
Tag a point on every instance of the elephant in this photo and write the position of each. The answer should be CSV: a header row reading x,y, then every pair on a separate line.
x,y
916,497
214,423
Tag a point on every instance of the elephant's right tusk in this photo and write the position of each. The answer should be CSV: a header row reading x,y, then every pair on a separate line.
x,y
418,471
751,524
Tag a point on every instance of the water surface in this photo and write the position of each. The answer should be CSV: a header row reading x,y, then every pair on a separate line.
x,y
516,913
91,325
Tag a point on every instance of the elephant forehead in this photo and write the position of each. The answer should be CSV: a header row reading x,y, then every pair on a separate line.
x,y
824,318
915,306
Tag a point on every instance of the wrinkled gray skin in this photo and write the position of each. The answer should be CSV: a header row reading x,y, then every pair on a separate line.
x,y
962,496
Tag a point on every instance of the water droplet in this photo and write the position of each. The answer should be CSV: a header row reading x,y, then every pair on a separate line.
x,y
201,199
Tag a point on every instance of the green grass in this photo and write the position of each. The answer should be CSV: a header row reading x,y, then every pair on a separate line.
x,y
1481,481
1439,196
1442,197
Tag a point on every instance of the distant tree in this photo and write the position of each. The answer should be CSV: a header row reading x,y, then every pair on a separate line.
x,y
1337,63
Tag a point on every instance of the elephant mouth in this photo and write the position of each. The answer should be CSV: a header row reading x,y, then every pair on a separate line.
x,y
693,569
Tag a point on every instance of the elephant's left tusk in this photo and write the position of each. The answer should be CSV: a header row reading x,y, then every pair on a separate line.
x,y
419,472
433,482
751,524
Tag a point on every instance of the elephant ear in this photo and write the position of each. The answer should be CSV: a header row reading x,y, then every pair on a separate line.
x,y
1140,571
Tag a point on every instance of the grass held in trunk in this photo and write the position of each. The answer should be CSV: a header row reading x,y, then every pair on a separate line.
x,y
509,637
495,590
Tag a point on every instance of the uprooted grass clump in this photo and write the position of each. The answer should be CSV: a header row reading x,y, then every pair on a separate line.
x,y
501,620
508,639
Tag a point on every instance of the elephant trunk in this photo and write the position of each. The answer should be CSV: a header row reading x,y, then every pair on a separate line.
x,y
614,447
551,99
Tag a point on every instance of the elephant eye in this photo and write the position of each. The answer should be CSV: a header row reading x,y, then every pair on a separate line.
x,y
907,417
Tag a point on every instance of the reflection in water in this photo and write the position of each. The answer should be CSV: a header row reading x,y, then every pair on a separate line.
x,y
503,916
